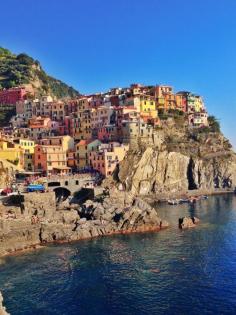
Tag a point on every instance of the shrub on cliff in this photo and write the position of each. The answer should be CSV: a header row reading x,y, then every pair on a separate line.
x,y
214,124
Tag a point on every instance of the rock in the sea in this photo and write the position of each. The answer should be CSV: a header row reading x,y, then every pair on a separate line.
x,y
188,222
2,308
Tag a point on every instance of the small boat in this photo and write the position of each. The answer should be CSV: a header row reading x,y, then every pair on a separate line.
x,y
173,202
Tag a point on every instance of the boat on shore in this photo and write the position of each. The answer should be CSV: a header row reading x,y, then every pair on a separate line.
x,y
191,200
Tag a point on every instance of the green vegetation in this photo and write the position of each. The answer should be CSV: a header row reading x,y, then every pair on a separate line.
x,y
16,70
6,114
214,124
162,114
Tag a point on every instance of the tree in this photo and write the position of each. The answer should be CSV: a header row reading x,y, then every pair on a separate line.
x,y
25,59
214,124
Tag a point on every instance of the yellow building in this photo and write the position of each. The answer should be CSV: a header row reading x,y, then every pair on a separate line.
x,y
199,105
195,103
66,142
148,107
12,152
82,126
27,145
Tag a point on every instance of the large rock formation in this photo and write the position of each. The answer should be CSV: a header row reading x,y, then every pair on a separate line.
x,y
16,229
178,161
33,219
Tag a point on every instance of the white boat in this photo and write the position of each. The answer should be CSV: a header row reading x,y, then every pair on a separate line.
x,y
173,202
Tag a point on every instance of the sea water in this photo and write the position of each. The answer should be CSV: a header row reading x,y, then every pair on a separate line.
x,y
169,272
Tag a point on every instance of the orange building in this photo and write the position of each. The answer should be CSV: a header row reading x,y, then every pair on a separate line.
x,y
50,159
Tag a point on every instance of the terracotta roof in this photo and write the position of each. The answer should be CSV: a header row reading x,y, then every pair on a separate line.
x,y
82,142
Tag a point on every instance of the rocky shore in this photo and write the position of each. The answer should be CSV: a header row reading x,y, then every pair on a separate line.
x,y
2,308
34,219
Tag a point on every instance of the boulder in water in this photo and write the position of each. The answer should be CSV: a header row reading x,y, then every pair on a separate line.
x,y
188,222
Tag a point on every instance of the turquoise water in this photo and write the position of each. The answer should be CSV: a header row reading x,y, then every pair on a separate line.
x,y
171,272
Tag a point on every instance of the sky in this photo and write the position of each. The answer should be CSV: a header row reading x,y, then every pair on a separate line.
x,y
94,45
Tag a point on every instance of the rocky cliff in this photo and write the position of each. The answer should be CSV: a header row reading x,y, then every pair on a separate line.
x,y
176,159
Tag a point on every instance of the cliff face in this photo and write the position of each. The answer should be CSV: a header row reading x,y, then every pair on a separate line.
x,y
178,161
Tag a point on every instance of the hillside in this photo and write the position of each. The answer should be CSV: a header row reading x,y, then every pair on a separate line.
x,y
16,70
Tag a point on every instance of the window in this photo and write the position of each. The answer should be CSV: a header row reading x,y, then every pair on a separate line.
x,y
66,183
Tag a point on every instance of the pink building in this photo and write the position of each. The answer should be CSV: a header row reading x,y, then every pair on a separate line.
x,y
12,96
106,159
107,133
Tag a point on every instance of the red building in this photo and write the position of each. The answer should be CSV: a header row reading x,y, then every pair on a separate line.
x,y
13,95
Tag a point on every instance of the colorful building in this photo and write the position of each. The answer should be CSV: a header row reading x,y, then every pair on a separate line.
x,y
108,133
40,127
66,142
71,159
199,119
147,106
12,96
83,149
106,159
50,159
12,152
